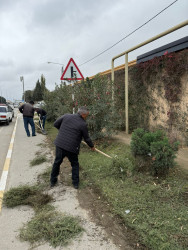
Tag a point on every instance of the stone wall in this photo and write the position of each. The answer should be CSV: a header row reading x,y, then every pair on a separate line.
x,y
149,106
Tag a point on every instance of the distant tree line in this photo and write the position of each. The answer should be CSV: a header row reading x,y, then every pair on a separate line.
x,y
2,100
37,94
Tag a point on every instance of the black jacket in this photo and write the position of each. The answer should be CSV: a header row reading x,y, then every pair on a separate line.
x,y
41,112
27,110
72,127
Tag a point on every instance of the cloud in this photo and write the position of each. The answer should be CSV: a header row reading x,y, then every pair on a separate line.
x,y
34,32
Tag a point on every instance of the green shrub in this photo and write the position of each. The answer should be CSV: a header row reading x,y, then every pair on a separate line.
x,y
154,151
58,102
141,141
138,145
163,156
96,94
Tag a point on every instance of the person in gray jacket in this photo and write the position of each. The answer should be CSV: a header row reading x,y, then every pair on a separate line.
x,y
72,128
28,110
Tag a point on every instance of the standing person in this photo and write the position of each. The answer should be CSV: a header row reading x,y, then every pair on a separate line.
x,y
28,110
42,114
72,127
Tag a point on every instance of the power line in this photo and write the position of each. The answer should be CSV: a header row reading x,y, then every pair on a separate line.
x,y
129,34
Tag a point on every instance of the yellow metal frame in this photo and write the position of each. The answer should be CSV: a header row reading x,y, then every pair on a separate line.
x,y
122,66
126,65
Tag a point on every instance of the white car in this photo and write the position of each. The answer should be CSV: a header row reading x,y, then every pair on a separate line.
x,y
5,113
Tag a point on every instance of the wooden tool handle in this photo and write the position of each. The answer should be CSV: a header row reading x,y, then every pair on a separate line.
x,y
99,151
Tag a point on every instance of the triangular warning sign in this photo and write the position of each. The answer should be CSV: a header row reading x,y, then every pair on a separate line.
x,y
72,72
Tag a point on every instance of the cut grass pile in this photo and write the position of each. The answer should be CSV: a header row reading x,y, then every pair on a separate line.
x,y
158,211
52,226
39,159
47,225
26,195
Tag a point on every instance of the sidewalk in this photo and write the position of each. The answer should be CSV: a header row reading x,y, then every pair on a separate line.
x,y
182,156
65,200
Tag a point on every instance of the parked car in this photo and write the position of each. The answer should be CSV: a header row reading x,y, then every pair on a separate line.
x,y
5,113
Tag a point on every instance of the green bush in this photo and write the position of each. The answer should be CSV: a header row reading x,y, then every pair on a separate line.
x,y
153,149
163,156
96,94
138,145
141,141
58,102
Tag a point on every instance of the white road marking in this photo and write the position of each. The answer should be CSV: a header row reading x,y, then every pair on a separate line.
x,y
3,180
4,175
9,153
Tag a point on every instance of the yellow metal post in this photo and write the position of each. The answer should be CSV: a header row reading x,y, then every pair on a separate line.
x,y
126,95
112,78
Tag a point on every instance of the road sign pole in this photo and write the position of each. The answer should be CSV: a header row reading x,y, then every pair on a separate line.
x,y
73,110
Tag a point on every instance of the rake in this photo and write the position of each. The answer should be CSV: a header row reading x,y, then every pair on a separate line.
x,y
99,151
42,129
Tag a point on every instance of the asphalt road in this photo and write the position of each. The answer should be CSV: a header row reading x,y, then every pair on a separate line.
x,y
5,137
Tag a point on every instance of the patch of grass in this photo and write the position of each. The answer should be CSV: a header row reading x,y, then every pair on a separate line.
x,y
51,226
44,178
39,159
52,131
158,211
41,145
25,195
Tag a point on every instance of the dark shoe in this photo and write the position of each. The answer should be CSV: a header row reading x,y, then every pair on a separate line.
x,y
33,135
53,184
28,135
75,186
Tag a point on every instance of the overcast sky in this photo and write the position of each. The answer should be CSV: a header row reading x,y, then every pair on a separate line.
x,y
34,32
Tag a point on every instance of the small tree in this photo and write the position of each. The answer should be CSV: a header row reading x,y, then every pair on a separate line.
x,y
43,86
37,93
28,95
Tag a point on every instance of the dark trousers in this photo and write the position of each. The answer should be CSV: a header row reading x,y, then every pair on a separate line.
x,y
27,121
73,158
43,120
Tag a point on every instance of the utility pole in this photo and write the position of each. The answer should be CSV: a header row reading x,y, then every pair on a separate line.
x,y
22,80
62,69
